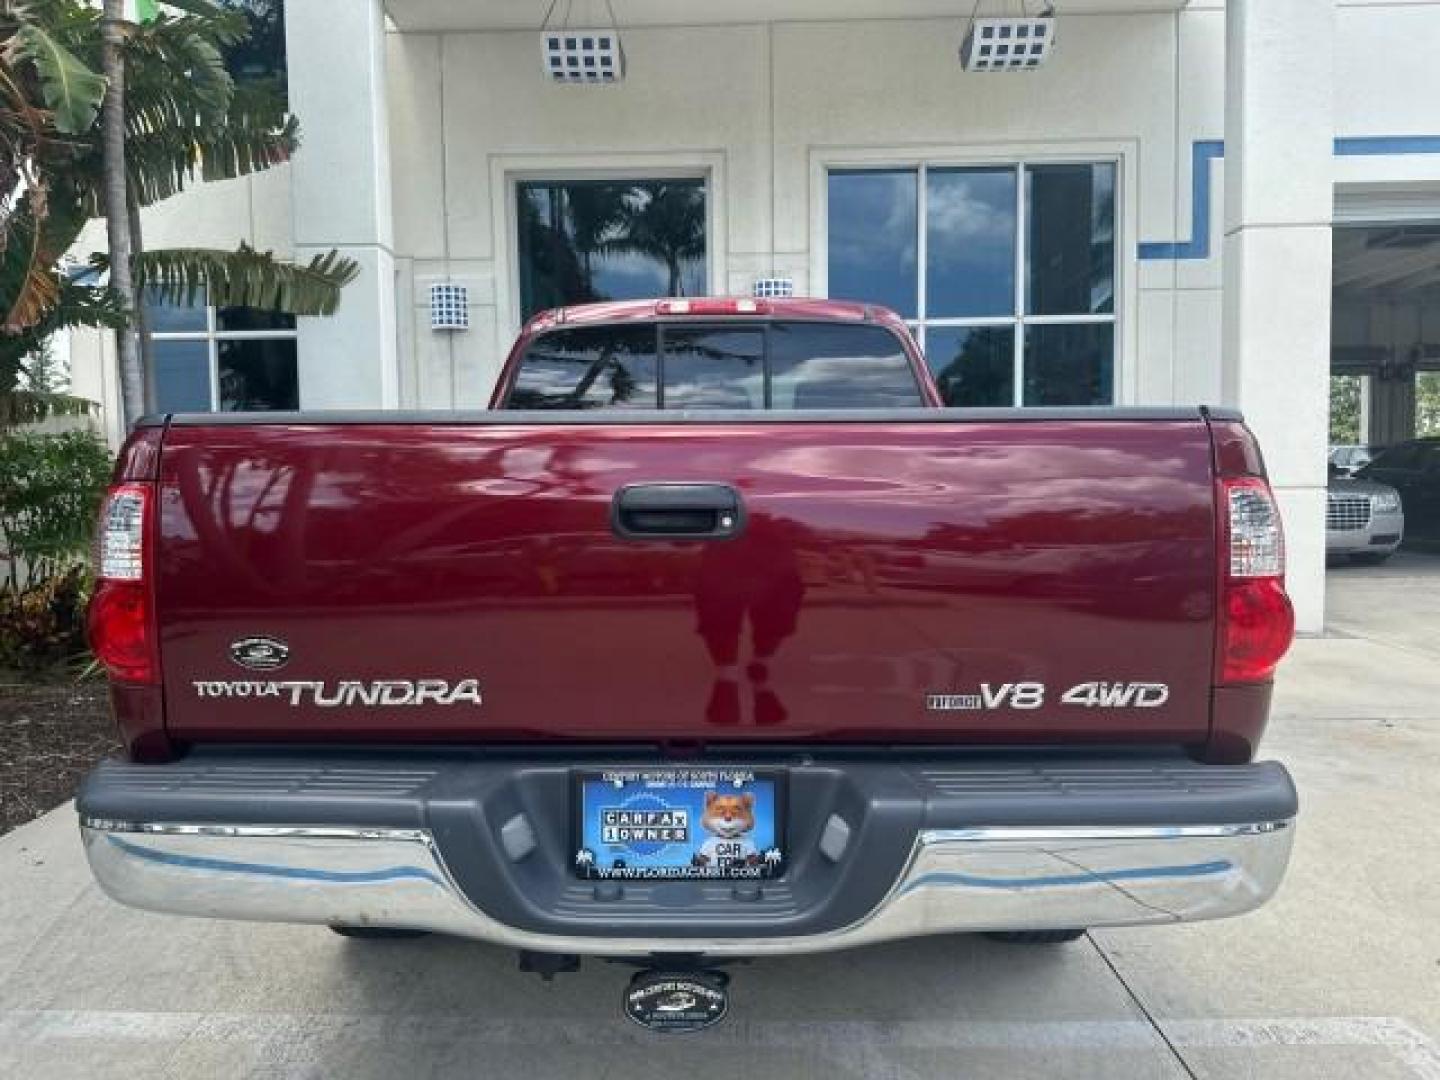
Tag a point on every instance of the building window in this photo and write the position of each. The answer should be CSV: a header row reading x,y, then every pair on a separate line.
x,y
1006,273
227,359
587,240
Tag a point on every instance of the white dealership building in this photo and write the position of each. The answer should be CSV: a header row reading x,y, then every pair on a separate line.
x,y
1184,203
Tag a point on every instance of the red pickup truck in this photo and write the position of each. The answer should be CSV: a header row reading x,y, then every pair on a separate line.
x,y
715,636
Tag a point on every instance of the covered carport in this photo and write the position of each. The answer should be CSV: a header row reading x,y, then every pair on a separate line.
x,y
1385,348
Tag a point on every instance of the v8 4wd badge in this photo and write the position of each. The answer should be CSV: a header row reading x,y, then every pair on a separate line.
x,y
1031,695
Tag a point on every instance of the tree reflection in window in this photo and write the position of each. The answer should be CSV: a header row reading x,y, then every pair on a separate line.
x,y
610,367
589,240
973,365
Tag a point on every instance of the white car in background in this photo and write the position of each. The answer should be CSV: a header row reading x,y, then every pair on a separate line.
x,y
1364,520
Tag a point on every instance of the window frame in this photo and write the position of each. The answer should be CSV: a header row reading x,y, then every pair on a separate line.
x,y
1120,154
212,336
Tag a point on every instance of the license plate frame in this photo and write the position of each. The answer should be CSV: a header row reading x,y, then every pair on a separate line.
x,y
739,851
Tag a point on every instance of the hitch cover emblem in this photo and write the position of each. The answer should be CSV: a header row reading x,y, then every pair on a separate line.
x,y
260,653
675,1001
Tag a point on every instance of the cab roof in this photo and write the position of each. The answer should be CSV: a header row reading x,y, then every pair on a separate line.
x,y
711,307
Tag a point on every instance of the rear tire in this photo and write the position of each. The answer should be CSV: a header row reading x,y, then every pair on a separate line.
x,y
1036,937
378,933
1371,558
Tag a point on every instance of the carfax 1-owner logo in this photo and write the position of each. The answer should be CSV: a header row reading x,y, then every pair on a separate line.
x,y
678,823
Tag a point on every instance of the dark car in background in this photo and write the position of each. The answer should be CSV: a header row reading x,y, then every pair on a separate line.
x,y
1413,469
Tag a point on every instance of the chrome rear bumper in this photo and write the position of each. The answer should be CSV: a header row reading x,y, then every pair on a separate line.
x,y
956,880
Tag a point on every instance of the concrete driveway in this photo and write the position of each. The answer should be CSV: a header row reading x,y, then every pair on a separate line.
x,y
1340,976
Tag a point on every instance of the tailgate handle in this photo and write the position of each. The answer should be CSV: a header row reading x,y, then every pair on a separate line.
x,y
677,512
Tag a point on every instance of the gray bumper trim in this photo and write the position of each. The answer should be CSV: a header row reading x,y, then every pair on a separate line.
x,y
956,880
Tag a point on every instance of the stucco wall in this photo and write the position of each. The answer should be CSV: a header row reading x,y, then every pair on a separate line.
x,y
763,109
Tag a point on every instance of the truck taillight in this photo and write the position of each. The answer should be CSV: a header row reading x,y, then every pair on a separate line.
x,y
1257,622
120,622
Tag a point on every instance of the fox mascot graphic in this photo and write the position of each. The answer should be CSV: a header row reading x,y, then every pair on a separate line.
x,y
728,819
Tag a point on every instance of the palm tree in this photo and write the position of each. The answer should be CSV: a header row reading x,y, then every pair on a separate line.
x,y
185,120
118,221
665,221
551,271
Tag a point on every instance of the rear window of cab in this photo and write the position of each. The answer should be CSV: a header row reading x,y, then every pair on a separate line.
x,y
761,365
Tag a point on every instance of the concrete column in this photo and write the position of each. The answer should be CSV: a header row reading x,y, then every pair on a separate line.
x,y
340,197
1279,140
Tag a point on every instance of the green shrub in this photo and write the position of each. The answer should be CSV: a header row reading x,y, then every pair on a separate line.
x,y
44,626
50,489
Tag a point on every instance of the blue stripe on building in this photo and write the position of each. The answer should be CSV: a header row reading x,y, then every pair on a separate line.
x,y
1204,151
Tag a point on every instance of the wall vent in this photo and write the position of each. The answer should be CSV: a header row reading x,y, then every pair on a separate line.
x,y
774,288
449,307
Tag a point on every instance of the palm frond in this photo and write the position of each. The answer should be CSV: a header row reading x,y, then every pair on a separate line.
x,y
244,278
156,52
81,304
253,137
256,135
29,283
225,24
30,407
72,91
36,296
75,304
